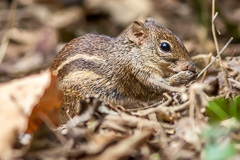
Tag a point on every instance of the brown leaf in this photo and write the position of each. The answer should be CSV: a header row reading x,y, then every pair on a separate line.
x,y
48,107
17,98
33,51
122,12
188,130
125,147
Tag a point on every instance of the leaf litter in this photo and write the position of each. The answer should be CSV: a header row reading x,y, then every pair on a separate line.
x,y
178,127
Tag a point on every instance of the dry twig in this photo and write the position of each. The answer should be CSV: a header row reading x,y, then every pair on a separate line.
x,y
169,99
210,64
205,73
5,39
216,43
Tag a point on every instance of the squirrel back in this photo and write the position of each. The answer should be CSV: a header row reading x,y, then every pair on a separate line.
x,y
132,68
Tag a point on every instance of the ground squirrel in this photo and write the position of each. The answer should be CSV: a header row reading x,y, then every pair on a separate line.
x,y
131,68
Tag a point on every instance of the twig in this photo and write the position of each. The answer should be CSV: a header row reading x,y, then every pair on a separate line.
x,y
235,84
169,99
181,107
215,16
5,39
222,50
205,73
164,110
4,45
216,44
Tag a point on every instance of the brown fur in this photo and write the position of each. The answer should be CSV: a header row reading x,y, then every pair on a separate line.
x,y
124,70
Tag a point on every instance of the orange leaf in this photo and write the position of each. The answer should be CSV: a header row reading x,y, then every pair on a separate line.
x,y
48,106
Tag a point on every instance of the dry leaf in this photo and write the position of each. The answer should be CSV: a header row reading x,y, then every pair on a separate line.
x,y
123,12
48,107
17,98
124,147
188,130
34,50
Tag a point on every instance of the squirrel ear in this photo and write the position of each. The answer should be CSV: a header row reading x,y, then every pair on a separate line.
x,y
137,33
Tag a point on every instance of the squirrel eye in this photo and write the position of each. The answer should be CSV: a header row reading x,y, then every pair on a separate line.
x,y
165,47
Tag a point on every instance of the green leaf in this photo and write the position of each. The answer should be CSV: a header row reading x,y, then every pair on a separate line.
x,y
221,109
218,110
235,107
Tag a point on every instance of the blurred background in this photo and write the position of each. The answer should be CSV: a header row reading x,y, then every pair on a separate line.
x,y
33,31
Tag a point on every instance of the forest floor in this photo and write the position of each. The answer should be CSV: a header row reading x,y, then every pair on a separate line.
x,y
200,121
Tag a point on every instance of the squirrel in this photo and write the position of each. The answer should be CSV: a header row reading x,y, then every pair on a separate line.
x,y
132,68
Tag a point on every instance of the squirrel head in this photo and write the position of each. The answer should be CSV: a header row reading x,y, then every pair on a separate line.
x,y
162,51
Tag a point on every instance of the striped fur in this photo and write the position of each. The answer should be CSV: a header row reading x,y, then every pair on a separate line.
x,y
126,70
